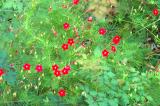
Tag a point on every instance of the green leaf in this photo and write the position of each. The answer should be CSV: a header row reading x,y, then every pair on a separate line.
x,y
103,102
3,58
97,52
10,77
52,98
114,82
8,4
113,102
110,74
20,6
89,100
93,93
124,100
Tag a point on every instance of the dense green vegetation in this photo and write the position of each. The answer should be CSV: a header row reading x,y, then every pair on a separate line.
x,y
80,52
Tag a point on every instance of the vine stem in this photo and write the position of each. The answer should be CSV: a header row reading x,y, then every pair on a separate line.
x,y
148,25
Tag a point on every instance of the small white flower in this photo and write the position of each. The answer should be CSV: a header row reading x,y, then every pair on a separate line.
x,y
36,87
14,94
25,87
39,83
84,93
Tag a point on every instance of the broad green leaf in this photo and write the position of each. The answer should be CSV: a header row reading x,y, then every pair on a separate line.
x,y
113,102
124,100
10,77
8,4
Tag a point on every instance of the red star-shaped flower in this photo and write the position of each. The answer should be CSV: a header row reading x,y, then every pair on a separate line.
x,y
62,92
155,12
70,41
1,72
105,53
66,26
89,19
39,68
65,46
55,67
116,39
26,66
67,67
102,31
75,2
57,73
64,71
113,48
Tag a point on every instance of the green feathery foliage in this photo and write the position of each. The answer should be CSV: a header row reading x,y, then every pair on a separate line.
x,y
32,32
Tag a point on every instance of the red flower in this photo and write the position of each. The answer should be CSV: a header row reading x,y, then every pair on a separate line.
x,y
67,67
116,39
105,53
55,67
1,72
66,26
57,73
26,66
155,12
89,19
113,48
39,68
62,92
75,2
65,46
102,31
65,71
70,41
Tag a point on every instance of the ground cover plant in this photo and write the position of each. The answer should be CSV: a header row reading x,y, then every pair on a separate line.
x,y
79,52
